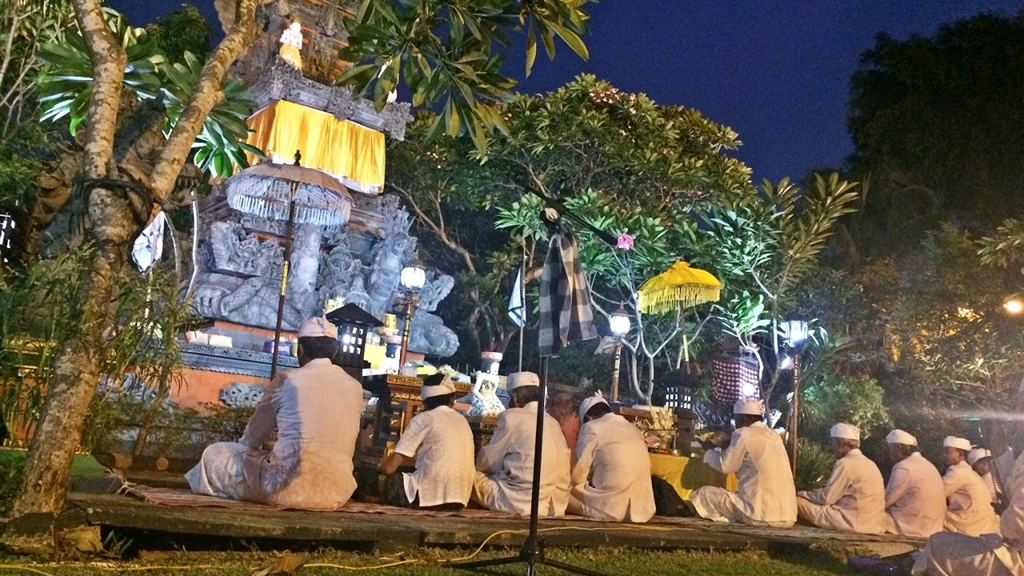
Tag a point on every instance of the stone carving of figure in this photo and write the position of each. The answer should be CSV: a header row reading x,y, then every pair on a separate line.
x,y
389,258
429,335
291,42
435,290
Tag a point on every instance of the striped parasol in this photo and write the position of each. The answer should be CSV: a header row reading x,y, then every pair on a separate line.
x,y
265,190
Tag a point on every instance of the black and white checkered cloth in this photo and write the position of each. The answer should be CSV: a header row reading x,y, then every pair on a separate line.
x,y
565,312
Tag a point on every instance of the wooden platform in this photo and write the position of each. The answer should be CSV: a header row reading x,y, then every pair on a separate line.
x,y
394,531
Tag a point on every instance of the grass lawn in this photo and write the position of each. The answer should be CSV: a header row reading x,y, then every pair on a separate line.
x,y
84,466
612,562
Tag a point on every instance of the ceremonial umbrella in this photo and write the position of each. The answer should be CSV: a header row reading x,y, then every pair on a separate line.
x,y
678,287
294,193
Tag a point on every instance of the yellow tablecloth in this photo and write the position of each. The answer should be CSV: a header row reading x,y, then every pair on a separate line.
x,y
688,474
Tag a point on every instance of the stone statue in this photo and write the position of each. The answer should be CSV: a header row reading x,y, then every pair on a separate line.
x,y
429,335
434,290
389,257
232,250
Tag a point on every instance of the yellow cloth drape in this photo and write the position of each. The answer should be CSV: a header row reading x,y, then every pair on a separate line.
x,y
351,153
688,474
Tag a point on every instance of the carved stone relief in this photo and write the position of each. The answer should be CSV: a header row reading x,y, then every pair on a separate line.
x,y
241,395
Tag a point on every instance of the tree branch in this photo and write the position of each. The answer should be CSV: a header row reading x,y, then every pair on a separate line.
x,y
207,94
108,64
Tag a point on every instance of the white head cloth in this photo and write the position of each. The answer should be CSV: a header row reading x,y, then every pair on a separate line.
x,y
445,387
845,431
900,437
959,443
318,327
748,406
520,379
977,454
590,402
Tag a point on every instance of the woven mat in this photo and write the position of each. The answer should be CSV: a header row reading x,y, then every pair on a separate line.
x,y
186,499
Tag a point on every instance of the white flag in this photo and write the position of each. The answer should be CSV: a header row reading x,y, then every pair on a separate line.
x,y
516,303
149,246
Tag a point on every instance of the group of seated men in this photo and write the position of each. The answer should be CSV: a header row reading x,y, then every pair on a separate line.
x,y
316,410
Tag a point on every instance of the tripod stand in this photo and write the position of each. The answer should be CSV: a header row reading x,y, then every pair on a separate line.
x,y
532,550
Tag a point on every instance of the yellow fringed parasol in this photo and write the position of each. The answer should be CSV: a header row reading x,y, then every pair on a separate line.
x,y
677,288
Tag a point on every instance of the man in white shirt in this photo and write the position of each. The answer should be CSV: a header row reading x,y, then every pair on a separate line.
x,y
1002,554
315,410
970,504
915,498
442,443
611,471
757,455
980,460
854,498
504,476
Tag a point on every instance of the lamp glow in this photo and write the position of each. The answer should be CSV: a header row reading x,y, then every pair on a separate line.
x,y
795,332
413,277
619,322
786,362
1014,305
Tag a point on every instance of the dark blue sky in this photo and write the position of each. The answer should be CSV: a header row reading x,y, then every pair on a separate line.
x,y
777,72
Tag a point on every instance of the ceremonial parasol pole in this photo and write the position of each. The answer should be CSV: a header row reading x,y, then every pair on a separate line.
x,y
293,193
293,187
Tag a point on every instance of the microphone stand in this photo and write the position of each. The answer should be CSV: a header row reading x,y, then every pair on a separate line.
x,y
532,550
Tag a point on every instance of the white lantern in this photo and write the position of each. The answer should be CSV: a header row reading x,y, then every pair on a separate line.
x,y
619,322
795,332
413,277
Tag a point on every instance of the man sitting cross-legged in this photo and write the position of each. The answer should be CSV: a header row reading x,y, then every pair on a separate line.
x,y
504,477
757,455
914,498
611,472
854,498
315,410
970,502
442,442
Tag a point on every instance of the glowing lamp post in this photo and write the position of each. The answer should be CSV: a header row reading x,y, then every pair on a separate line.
x,y
413,278
619,323
795,332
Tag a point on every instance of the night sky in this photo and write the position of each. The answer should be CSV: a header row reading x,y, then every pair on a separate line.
x,y
776,72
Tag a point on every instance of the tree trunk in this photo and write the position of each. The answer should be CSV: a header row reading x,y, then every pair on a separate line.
x,y
76,374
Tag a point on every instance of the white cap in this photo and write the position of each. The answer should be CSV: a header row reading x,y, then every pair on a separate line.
x,y
977,454
318,327
520,379
959,443
845,431
445,387
900,437
748,406
590,402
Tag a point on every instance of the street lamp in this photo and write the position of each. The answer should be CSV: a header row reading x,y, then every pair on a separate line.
x,y
1014,305
619,323
795,333
413,278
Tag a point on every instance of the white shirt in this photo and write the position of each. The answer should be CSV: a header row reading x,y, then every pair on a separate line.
x,y
612,471
855,495
915,497
508,460
758,458
316,411
442,443
970,505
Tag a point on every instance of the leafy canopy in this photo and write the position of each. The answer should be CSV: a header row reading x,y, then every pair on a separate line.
x,y
66,87
449,53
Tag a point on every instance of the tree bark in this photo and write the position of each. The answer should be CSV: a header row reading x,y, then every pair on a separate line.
x,y
111,227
